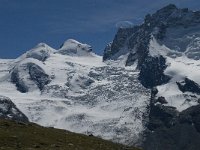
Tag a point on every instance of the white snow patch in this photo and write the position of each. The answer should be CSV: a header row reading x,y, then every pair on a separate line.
x,y
180,68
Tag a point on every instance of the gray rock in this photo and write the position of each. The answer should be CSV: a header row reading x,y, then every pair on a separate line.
x,y
152,72
8,110
38,75
170,129
191,116
179,137
162,100
15,78
118,43
41,52
135,42
189,86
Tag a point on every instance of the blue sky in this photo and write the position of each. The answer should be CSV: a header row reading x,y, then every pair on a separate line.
x,y
24,23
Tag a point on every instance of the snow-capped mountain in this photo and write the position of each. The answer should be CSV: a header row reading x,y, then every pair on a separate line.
x,y
71,88
166,50
145,87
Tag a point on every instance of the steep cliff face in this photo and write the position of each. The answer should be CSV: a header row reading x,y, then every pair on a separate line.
x,y
176,29
170,129
29,75
166,50
152,72
159,24
119,45
8,110
164,44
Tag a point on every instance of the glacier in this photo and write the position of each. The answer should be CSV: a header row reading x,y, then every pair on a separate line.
x,y
83,95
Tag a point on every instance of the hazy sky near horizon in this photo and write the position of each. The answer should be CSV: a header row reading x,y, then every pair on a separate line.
x,y
25,23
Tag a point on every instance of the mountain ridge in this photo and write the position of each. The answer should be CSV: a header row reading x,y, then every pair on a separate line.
x,y
146,84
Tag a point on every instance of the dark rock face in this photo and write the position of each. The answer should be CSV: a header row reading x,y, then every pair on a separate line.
x,y
174,130
15,78
8,110
118,42
170,129
38,75
152,72
191,116
162,100
172,16
179,137
189,86
162,116
107,52
132,57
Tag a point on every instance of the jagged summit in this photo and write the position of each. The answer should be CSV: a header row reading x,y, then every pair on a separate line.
x,y
73,47
157,24
166,49
165,40
173,16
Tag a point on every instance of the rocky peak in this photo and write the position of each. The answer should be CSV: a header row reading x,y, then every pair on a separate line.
x,y
118,43
167,26
154,24
165,12
173,16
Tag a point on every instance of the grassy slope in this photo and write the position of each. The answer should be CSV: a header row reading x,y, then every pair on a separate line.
x,y
18,136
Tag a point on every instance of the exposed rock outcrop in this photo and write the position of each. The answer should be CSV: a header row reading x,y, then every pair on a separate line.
x,y
8,110
189,86
170,129
29,75
152,72
40,52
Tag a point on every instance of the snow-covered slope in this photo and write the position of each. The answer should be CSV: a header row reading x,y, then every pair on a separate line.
x,y
79,92
179,68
